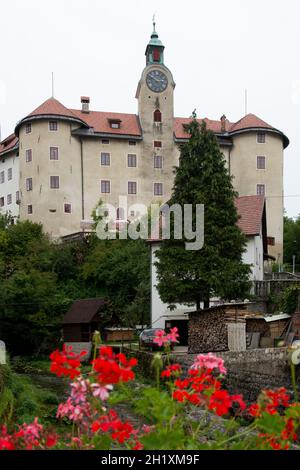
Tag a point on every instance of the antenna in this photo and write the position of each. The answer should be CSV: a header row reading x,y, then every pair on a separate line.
x,y
246,101
52,85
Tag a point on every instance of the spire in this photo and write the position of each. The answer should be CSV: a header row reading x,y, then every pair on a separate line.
x,y
155,49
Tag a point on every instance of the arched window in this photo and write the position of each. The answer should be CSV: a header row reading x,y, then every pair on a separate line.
x,y
156,55
157,115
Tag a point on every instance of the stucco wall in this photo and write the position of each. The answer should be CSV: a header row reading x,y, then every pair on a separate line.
x,y
10,186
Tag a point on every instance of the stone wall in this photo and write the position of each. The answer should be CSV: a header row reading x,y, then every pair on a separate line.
x,y
248,372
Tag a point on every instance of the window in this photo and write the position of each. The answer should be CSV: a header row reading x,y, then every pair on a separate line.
x,y
9,174
9,199
261,163
53,153
271,241
115,125
28,155
2,177
105,159
131,160
157,143
158,189
28,128
131,187
156,55
131,142
53,126
54,182
261,137
29,209
157,116
105,186
67,208
28,184
1,201
105,141
260,189
158,161
17,197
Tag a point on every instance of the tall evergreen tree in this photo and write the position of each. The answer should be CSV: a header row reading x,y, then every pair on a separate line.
x,y
190,277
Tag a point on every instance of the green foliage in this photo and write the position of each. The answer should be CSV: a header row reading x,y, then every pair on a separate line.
x,y
289,300
39,280
217,269
291,236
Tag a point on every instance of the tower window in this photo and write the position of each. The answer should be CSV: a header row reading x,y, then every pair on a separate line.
x,y
157,144
261,163
156,55
53,153
131,160
261,137
105,141
132,142
28,128
67,208
54,182
53,126
158,161
105,186
28,184
1,201
261,189
157,115
158,189
131,187
105,159
29,155
29,209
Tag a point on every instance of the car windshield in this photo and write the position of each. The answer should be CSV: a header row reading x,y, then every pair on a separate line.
x,y
149,332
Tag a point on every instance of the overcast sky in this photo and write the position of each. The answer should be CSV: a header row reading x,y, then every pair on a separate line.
x,y
215,49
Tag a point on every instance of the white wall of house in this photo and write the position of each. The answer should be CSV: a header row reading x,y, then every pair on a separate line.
x,y
254,256
160,313
9,184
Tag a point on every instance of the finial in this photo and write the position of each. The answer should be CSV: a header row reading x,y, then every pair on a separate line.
x,y
154,23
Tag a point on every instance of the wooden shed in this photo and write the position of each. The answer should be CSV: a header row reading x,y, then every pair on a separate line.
x,y
82,319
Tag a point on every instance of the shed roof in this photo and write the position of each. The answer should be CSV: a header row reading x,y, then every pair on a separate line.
x,y
83,311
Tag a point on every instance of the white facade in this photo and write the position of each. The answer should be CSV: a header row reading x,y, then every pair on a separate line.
x,y
9,184
160,313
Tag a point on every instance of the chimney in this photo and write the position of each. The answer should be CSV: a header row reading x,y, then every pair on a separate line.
x,y
223,123
85,104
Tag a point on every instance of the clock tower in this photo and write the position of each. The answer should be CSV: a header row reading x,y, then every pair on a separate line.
x,y
155,95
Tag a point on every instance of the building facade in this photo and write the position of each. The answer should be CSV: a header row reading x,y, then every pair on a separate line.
x,y
70,159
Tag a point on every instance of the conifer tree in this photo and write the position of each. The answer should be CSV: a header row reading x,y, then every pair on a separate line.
x,y
192,277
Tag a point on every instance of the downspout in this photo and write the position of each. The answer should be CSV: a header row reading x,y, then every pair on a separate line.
x,y
82,179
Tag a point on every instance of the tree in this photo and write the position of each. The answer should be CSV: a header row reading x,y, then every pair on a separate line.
x,y
291,242
217,269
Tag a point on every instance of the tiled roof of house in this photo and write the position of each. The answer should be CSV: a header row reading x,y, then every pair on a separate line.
x,y
100,121
250,210
8,144
248,122
212,125
83,311
52,107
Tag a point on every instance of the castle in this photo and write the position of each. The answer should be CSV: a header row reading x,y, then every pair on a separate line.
x,y
59,162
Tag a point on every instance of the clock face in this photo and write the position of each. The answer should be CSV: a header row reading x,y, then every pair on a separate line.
x,y
157,81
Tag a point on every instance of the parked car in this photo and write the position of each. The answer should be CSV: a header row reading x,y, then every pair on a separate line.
x,y
146,339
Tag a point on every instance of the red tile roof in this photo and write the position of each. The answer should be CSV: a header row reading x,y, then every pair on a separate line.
x,y
52,107
100,122
250,209
9,143
212,125
250,121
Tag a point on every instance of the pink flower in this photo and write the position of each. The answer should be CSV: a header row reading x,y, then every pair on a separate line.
x,y
160,338
79,390
210,362
34,429
101,391
173,335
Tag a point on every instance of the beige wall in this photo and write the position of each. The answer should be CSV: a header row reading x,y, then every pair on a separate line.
x,y
43,199
246,176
